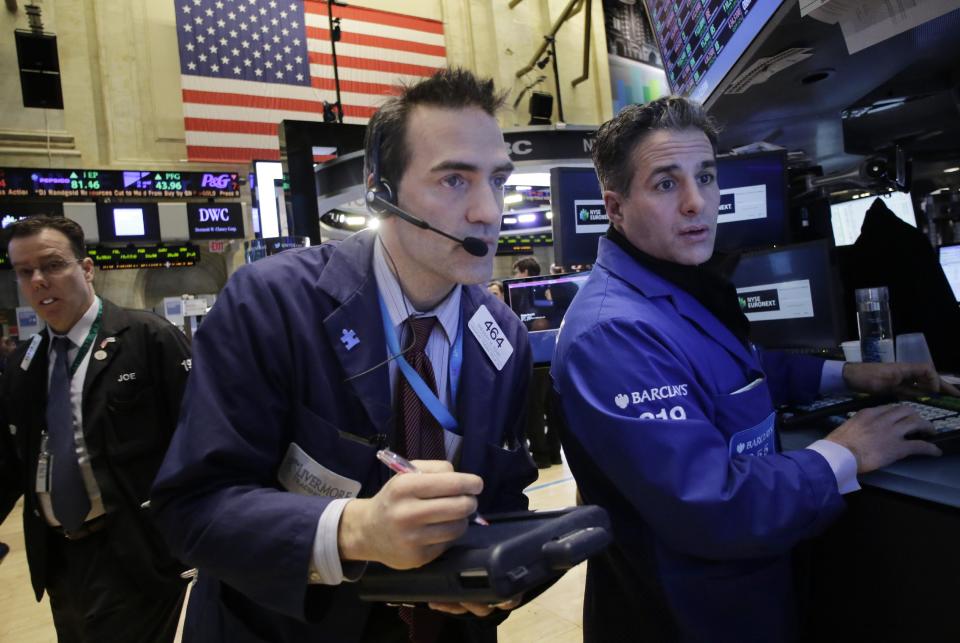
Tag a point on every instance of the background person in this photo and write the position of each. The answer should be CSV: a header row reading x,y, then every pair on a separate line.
x,y
91,403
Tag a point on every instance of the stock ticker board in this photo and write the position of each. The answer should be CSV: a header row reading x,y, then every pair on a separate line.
x,y
79,183
693,33
132,257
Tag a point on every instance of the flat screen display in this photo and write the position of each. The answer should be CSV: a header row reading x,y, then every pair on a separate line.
x,y
847,217
788,295
702,40
579,216
541,302
950,262
128,222
753,201
215,220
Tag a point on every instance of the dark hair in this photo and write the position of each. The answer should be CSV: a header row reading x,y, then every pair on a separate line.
x,y
528,265
387,129
619,137
35,225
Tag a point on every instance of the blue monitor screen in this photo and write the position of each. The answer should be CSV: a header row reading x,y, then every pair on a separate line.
x,y
702,40
753,201
788,295
579,216
541,302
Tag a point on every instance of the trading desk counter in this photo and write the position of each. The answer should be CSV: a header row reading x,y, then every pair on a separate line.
x,y
889,568
933,479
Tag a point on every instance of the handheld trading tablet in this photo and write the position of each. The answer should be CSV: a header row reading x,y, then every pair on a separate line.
x,y
517,552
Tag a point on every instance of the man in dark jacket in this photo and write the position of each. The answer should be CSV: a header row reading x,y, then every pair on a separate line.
x,y
314,359
88,408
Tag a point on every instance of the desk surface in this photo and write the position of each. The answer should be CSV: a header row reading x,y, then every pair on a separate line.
x,y
933,479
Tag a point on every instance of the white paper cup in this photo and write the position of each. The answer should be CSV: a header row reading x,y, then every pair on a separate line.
x,y
912,348
851,350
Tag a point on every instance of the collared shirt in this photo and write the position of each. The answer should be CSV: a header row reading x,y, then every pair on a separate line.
x,y
325,565
841,460
441,339
77,335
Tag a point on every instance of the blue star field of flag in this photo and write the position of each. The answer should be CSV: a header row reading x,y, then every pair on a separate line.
x,y
259,40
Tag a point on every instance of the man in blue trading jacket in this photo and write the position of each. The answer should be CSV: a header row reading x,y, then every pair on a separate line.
x,y
272,487
675,437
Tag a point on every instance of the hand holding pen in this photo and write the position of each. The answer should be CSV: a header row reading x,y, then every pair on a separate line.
x,y
398,464
412,519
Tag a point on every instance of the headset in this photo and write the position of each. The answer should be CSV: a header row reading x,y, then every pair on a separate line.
x,y
381,199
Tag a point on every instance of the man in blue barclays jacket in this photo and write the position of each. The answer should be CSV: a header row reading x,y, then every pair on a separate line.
x,y
675,436
272,487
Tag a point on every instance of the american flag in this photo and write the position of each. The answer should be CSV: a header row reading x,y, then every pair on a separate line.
x,y
246,65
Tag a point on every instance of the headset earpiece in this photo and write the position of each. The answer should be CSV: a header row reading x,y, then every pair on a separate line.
x,y
381,189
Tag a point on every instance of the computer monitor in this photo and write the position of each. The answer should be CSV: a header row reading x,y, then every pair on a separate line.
x,y
579,216
541,302
130,222
847,217
705,44
789,295
950,262
753,201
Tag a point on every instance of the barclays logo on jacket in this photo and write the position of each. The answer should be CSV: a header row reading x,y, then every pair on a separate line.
x,y
622,400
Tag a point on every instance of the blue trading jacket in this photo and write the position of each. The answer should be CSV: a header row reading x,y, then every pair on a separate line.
x,y
294,353
670,428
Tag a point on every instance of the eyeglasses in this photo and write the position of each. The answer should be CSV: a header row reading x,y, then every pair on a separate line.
x,y
52,268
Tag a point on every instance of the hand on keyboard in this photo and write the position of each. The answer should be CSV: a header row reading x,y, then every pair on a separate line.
x,y
876,435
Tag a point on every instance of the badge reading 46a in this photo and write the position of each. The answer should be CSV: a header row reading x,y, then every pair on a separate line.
x,y
490,337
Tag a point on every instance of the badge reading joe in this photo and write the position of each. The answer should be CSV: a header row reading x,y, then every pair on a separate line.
x,y
492,340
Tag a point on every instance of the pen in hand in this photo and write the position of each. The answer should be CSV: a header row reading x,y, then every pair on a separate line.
x,y
397,463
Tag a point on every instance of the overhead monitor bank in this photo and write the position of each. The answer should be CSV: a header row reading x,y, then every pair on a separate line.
x,y
702,41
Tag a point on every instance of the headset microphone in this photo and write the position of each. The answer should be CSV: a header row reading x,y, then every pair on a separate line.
x,y
473,245
381,199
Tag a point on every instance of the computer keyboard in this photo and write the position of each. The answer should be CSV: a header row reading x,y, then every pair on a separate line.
x,y
824,402
942,411
830,410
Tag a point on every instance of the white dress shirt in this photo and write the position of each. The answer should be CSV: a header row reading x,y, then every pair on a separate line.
x,y
325,566
77,335
840,458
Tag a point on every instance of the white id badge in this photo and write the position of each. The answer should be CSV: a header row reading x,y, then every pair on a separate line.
x,y
492,340
299,473
31,351
43,474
